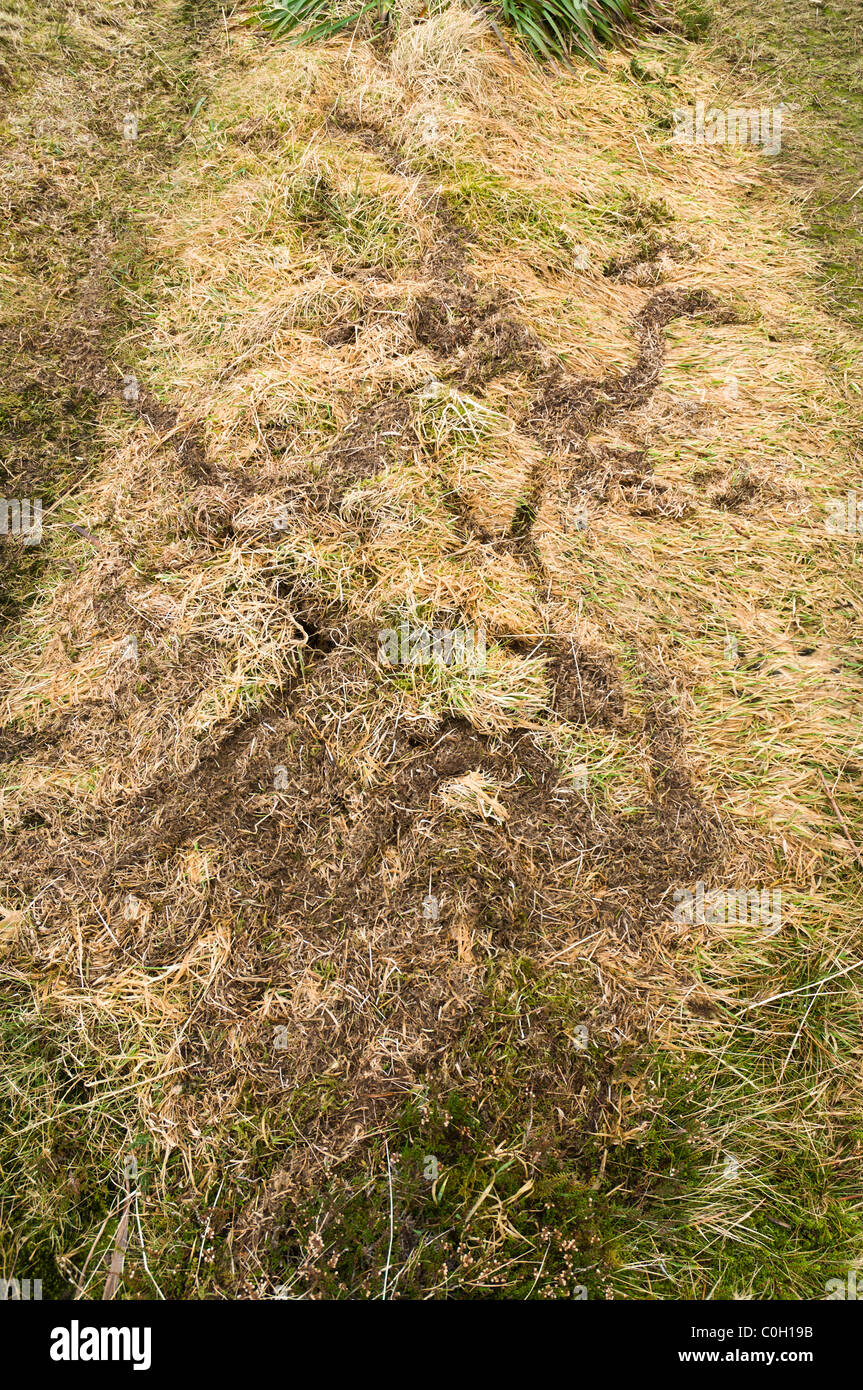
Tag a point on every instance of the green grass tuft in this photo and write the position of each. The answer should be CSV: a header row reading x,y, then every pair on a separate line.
x,y
551,29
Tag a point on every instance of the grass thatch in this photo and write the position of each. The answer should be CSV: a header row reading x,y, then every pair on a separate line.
x,y
426,336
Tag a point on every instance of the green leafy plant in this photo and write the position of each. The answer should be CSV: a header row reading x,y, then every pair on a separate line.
x,y
549,28
286,18
556,28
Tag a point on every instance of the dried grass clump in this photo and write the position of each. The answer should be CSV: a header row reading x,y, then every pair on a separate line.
x,y
444,53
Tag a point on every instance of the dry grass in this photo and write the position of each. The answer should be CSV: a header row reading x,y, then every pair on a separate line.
x,y
271,900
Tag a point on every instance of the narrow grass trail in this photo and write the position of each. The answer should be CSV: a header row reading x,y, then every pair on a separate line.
x,y
309,348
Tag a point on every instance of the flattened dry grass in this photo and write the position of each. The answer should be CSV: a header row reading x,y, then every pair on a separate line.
x,y
270,902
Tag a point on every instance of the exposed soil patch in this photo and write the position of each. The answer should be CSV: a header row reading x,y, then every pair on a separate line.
x,y
749,488
469,325
651,261
375,436
585,688
567,408
183,438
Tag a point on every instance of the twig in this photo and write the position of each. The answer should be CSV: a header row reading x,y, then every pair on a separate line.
x,y
809,1008
539,1271
483,14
